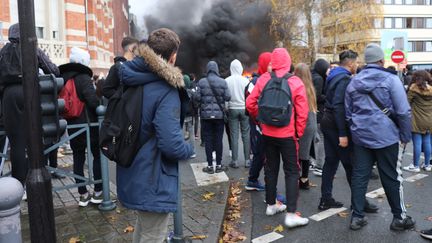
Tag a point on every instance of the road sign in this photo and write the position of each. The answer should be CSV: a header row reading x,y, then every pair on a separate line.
x,y
397,57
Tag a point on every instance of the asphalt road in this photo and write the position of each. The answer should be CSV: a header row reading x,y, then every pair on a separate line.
x,y
417,195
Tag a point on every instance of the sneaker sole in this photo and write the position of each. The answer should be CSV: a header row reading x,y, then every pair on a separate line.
x,y
426,236
401,228
83,204
296,225
96,201
248,188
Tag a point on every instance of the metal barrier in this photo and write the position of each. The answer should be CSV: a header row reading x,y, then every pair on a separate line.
x,y
107,203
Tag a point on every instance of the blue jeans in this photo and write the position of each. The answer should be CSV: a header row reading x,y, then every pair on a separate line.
x,y
258,151
422,142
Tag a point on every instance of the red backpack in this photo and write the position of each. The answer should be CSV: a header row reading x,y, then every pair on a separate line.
x,y
73,105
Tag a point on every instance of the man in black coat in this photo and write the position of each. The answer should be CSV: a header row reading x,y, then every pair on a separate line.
x,y
112,81
13,99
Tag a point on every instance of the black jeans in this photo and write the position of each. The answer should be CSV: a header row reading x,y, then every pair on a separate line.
x,y
333,154
78,146
51,158
13,115
213,134
389,169
258,151
274,149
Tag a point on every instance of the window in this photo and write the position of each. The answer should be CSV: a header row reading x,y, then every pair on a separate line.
x,y
398,2
419,23
408,2
1,30
429,23
388,23
398,23
388,2
418,46
378,23
409,22
55,35
429,46
40,32
410,46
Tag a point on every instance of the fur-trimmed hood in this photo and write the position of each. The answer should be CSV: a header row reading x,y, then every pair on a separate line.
x,y
159,66
426,92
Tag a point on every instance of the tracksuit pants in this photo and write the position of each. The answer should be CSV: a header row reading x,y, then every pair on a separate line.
x,y
389,169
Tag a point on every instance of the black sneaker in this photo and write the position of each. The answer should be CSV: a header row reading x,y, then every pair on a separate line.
x,y
370,207
221,168
402,224
208,170
329,203
304,185
358,223
426,234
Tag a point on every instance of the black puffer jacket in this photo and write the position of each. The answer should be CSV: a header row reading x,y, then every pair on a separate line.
x,y
319,75
208,103
84,87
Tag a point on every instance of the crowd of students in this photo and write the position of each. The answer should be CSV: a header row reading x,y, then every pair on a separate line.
x,y
328,119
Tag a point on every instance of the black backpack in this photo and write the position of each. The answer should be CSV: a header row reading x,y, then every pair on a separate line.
x,y
10,63
275,102
119,133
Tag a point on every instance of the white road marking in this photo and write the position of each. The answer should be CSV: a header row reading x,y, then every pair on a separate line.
x,y
204,179
327,213
270,237
376,193
415,177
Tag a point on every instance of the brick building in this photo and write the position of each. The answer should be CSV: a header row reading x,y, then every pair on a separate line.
x,y
63,24
121,24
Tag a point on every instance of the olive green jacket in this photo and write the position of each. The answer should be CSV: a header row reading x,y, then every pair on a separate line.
x,y
421,106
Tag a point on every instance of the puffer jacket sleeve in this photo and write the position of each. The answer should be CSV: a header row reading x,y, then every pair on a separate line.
x,y
402,109
167,128
301,107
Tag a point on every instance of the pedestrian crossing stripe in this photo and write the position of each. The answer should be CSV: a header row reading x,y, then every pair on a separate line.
x,y
327,213
376,193
415,177
204,179
270,237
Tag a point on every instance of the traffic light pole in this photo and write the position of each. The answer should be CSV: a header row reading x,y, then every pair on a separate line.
x,y
38,185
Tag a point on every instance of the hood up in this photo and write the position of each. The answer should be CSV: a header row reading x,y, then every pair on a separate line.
x,y
280,59
236,68
264,60
321,66
212,67
70,70
14,33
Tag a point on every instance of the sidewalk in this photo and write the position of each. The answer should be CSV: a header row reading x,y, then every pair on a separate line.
x,y
201,217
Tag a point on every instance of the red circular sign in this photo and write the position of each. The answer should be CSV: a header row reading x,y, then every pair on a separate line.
x,y
397,56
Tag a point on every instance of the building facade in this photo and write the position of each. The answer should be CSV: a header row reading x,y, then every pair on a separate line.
x,y
63,24
409,21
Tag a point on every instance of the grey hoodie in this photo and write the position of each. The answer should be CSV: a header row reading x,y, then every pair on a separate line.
x,y
236,85
209,108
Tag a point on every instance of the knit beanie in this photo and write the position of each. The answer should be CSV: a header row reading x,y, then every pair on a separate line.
x,y
373,53
78,55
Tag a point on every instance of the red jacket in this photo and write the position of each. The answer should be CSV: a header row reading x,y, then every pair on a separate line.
x,y
281,62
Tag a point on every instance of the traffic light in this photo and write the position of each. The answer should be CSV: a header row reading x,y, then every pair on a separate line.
x,y
53,126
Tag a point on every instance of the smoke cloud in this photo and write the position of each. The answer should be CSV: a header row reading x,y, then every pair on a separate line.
x,y
214,30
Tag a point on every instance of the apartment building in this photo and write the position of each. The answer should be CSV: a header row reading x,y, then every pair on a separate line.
x,y
401,24
63,24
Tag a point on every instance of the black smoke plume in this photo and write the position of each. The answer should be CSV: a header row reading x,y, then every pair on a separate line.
x,y
222,32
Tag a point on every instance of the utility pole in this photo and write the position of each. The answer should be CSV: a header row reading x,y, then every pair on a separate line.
x,y
38,185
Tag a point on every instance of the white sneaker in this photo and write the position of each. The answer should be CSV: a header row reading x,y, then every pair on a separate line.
x,y
274,209
193,156
293,220
411,168
427,167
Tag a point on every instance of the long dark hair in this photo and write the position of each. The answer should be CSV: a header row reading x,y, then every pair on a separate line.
x,y
421,78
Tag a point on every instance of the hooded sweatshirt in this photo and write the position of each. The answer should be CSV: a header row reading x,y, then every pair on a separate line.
x,y
370,127
236,85
281,63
